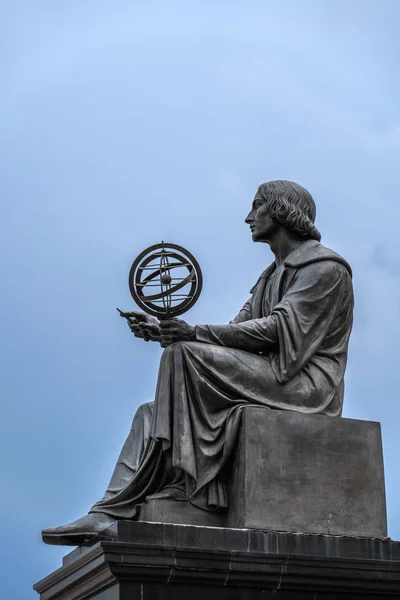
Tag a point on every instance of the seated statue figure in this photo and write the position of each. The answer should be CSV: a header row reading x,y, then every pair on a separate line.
x,y
286,350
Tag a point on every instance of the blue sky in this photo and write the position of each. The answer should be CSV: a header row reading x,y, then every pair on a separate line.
x,y
125,123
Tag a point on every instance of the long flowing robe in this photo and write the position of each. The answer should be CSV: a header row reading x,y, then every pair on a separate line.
x,y
286,349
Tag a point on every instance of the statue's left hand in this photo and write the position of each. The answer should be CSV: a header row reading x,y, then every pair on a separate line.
x,y
176,330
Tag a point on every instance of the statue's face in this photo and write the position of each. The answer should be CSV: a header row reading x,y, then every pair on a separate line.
x,y
262,225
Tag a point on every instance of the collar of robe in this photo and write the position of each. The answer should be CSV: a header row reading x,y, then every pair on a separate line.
x,y
308,252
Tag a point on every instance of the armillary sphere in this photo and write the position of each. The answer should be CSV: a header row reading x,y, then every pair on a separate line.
x,y
165,280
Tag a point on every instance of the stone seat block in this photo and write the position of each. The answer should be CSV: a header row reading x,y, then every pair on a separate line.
x,y
307,473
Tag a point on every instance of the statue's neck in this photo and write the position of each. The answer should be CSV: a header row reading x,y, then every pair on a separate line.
x,y
284,243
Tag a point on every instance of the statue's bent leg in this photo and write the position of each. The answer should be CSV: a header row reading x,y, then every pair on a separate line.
x,y
128,463
132,451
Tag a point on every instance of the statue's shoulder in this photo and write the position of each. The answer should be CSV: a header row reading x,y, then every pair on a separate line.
x,y
314,252
308,253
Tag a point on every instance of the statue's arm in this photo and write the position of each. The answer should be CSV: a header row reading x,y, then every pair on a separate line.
x,y
254,335
297,325
243,332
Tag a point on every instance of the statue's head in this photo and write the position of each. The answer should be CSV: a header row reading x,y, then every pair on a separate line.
x,y
286,204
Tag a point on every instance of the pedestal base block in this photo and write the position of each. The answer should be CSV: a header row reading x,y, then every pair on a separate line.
x,y
154,561
307,473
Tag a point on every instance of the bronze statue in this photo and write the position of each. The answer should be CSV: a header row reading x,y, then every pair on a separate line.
x,y
286,349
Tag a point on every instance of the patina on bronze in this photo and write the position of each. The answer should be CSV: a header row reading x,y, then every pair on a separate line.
x,y
286,349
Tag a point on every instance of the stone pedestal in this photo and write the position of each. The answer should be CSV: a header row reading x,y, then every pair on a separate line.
x,y
297,473
153,561
308,473
320,479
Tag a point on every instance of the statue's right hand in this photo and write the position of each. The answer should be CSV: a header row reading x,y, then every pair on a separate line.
x,y
144,326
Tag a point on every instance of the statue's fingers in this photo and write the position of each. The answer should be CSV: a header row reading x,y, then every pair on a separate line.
x,y
155,338
167,324
151,329
145,334
167,332
139,332
167,338
172,329
154,331
170,335
148,327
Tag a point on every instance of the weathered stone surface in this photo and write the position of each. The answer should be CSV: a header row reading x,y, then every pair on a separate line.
x,y
308,473
154,561
173,511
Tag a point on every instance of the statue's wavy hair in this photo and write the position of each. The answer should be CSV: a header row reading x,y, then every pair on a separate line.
x,y
292,206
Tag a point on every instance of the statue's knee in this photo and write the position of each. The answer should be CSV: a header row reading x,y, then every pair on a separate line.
x,y
144,410
178,347
147,407
172,349
175,351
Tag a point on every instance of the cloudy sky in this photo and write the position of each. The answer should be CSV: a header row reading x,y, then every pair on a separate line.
x,y
124,123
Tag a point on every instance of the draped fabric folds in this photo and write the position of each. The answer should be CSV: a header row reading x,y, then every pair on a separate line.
x,y
286,349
